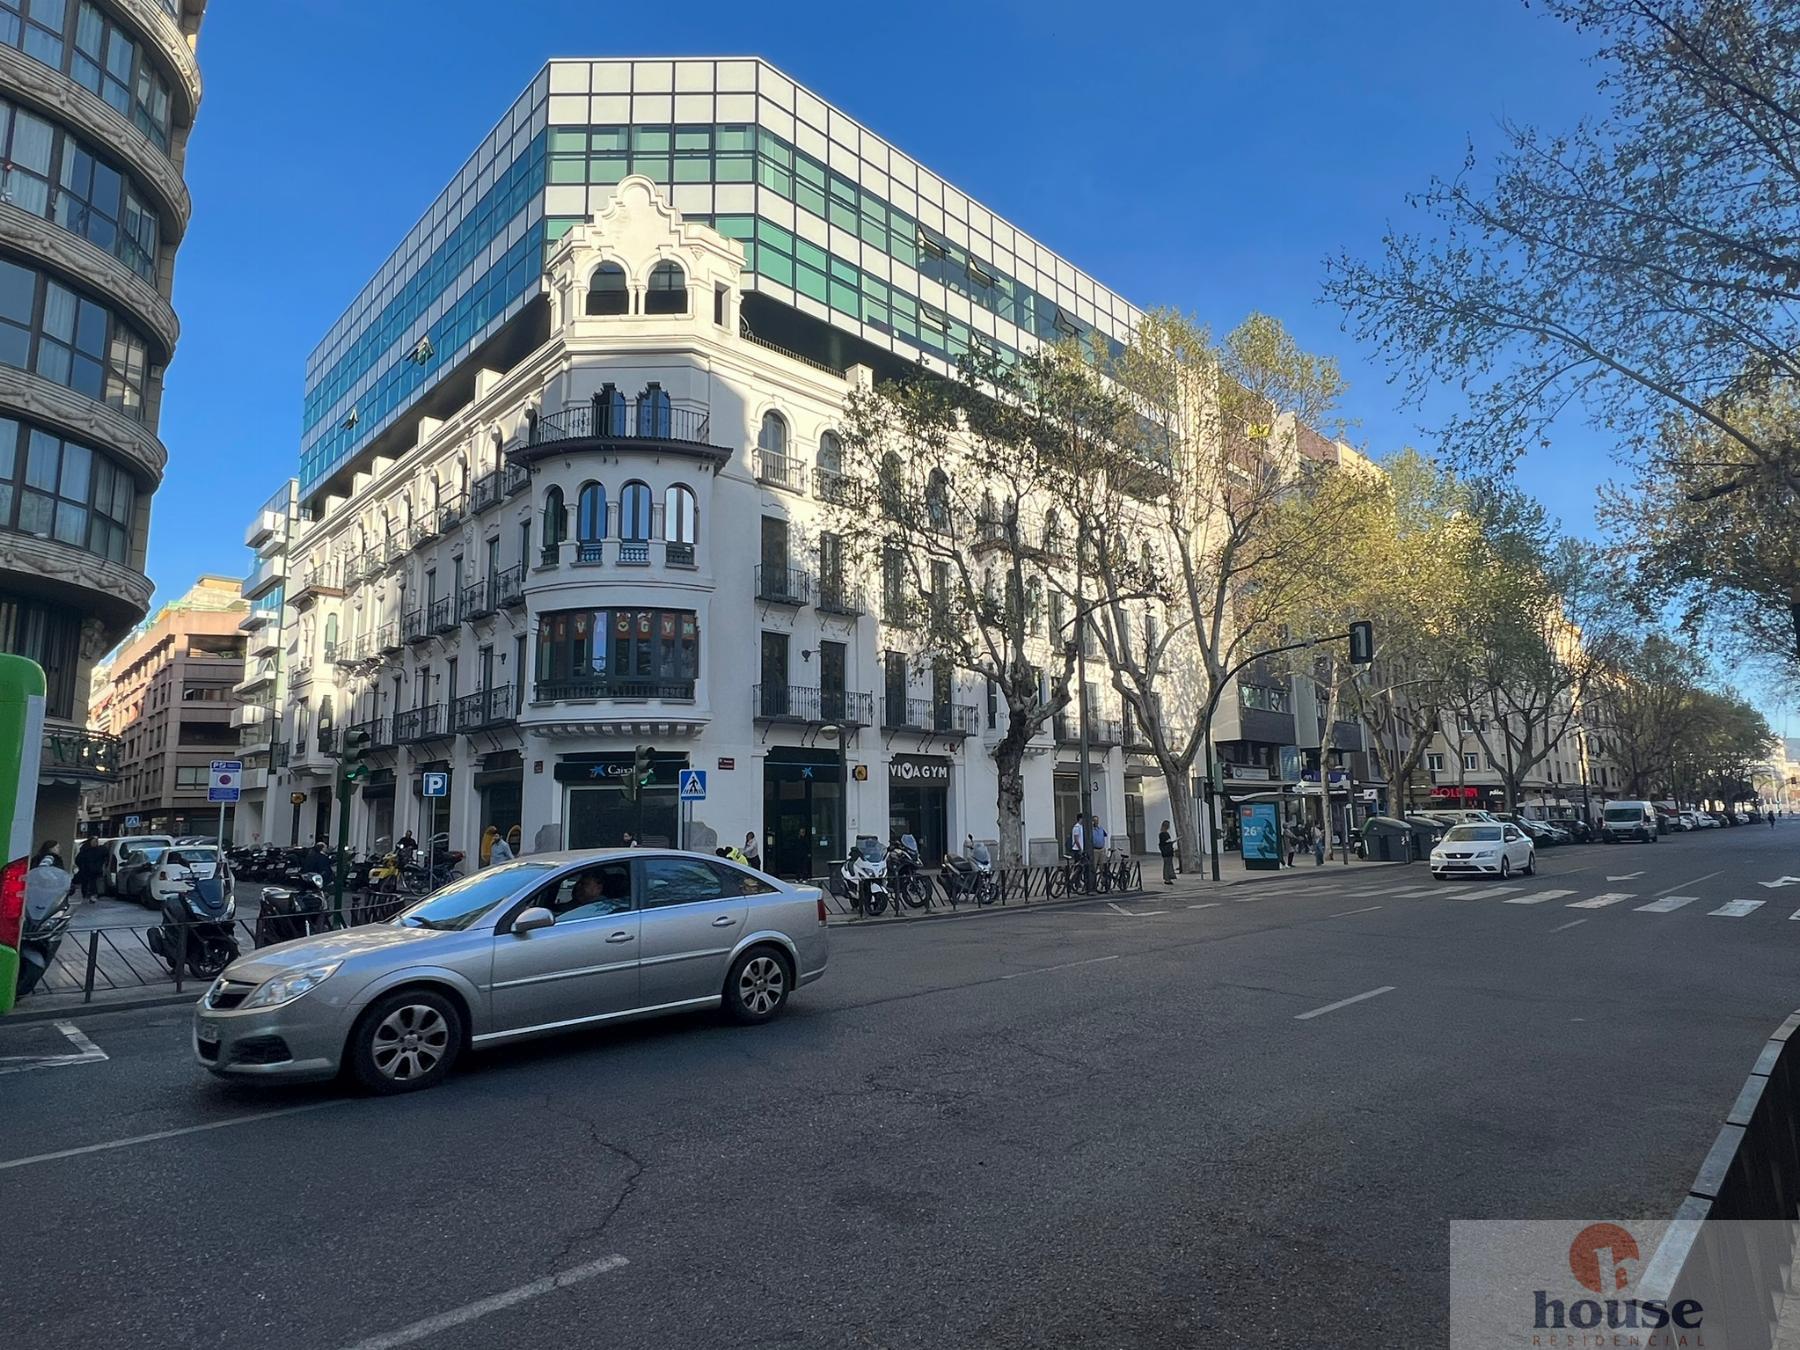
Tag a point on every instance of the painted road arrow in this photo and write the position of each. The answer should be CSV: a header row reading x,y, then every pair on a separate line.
x,y
1777,885
1629,876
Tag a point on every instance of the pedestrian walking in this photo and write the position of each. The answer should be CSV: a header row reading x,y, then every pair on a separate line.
x,y
1771,820
629,841
489,837
1165,843
1318,846
49,850
501,852
1292,839
90,859
752,854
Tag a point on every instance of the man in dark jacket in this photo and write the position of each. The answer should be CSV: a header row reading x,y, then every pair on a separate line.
x,y
90,859
318,859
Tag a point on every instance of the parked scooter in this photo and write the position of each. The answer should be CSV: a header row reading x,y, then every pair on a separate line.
x,y
970,875
204,908
47,917
290,912
907,872
866,863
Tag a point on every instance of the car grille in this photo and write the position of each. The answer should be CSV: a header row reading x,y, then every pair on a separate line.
x,y
1459,857
228,993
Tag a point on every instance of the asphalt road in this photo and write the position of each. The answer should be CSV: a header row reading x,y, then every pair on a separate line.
x,y
1152,1124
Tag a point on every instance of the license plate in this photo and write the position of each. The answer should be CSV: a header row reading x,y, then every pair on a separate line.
x,y
207,1032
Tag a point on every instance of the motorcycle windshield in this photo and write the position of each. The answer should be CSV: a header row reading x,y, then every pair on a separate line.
x,y
908,843
869,850
206,898
981,856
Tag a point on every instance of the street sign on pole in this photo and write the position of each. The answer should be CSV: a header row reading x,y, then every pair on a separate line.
x,y
435,785
134,822
225,780
693,785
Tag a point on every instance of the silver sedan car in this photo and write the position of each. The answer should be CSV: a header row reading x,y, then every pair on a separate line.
x,y
541,944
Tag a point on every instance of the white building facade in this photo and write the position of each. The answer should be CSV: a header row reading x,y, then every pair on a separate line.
x,y
537,533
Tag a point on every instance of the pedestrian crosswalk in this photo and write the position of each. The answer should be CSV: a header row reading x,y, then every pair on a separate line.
x,y
1527,893
1667,905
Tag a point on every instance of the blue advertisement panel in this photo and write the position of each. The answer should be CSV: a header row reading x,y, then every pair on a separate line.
x,y
1259,828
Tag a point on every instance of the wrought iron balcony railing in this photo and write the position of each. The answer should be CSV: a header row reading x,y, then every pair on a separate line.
x,y
798,703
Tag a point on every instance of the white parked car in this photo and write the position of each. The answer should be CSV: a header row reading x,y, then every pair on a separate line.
x,y
1483,849
180,865
116,851
1705,821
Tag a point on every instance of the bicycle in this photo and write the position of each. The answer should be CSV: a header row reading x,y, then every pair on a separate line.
x,y
1069,877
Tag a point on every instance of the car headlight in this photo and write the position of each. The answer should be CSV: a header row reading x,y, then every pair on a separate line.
x,y
272,993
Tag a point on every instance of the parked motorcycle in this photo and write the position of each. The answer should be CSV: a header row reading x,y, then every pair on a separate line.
x,y
47,917
907,872
970,875
204,908
290,912
867,863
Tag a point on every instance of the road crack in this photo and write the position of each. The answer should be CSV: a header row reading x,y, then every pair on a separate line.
x,y
593,1232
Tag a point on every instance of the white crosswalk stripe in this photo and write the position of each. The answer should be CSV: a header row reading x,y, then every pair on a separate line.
x,y
1539,898
1602,901
1737,909
1667,904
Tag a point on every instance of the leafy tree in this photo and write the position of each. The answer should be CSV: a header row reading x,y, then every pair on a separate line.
x,y
1224,499
1718,756
1642,265
952,493
1645,705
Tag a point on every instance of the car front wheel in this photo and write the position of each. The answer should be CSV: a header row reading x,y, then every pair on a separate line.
x,y
1531,863
406,1041
1505,868
757,988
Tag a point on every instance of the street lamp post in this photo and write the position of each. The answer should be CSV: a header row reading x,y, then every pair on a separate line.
x,y
838,732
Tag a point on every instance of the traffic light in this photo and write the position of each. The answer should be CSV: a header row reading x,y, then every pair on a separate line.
x,y
643,768
1362,642
354,760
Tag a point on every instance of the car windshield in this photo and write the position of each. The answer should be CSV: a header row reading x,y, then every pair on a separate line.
x,y
190,856
153,853
1626,813
1483,834
461,903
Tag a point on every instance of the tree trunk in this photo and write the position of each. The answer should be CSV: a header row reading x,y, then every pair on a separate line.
x,y
1009,801
1181,812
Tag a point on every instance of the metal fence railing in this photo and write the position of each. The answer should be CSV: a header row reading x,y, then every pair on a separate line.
x,y
123,957
1013,886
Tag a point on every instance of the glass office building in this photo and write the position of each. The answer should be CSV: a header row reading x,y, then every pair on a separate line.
x,y
855,250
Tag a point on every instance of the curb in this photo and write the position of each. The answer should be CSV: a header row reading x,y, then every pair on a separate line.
x,y
89,1009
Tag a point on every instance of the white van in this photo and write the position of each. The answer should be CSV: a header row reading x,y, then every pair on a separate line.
x,y
116,849
1628,820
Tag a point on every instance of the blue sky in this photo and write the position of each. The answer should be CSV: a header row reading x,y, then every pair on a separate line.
x,y
1202,155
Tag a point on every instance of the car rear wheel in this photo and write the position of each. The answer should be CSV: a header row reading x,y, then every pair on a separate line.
x,y
757,988
406,1041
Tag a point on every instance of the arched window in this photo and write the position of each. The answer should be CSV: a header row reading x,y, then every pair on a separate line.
x,y
831,452
634,512
889,485
590,513
667,290
653,412
937,500
681,515
556,523
773,438
606,291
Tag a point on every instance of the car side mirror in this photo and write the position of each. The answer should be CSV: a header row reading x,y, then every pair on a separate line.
x,y
533,919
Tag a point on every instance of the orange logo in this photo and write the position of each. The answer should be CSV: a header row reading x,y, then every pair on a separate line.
x,y
1584,1256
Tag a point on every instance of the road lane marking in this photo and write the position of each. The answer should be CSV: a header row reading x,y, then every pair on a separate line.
x,y
1667,905
1066,965
166,1134
1210,904
1695,882
494,1303
1501,890
1538,897
1342,913
1795,914
86,1052
1602,901
1626,876
1737,909
1777,885
1559,928
1344,1003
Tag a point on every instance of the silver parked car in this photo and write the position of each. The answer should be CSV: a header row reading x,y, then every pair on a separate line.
x,y
541,944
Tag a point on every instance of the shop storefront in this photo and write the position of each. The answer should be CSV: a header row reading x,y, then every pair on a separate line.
x,y
598,814
501,782
919,802
803,811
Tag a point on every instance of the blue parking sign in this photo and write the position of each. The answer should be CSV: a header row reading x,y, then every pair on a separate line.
x,y
435,785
